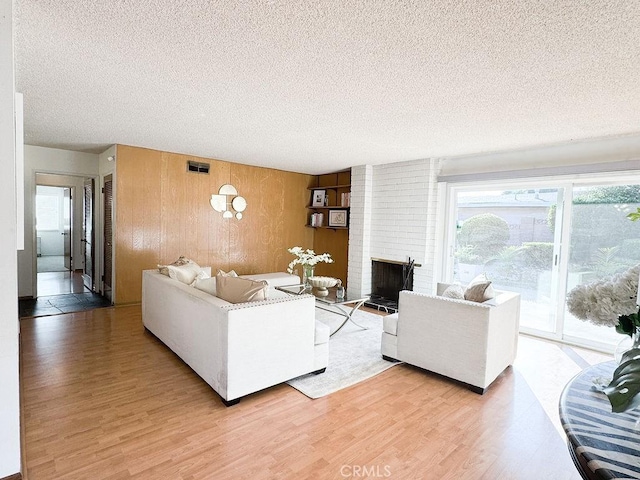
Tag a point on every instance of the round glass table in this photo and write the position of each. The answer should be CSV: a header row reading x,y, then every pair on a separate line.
x,y
602,444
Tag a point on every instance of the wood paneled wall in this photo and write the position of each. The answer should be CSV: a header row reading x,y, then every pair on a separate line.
x,y
163,211
335,242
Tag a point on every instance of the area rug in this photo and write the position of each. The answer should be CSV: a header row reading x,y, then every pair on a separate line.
x,y
354,355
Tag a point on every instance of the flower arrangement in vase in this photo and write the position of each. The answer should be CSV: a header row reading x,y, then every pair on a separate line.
x,y
308,259
614,302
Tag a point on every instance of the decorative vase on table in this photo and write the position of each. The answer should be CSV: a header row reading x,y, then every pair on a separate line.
x,y
322,284
308,259
307,273
626,344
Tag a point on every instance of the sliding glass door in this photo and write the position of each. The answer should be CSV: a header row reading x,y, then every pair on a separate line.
x,y
603,242
512,235
542,241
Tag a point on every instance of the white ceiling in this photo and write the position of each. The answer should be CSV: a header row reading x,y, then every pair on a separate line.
x,y
316,86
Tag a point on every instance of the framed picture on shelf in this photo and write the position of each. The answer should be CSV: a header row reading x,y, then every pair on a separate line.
x,y
317,199
338,218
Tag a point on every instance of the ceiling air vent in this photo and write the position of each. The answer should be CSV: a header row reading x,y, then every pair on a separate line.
x,y
197,167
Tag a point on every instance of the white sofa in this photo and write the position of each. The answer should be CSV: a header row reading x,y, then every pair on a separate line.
x,y
466,341
237,349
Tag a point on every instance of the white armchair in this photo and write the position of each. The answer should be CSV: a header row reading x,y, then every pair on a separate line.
x,y
466,341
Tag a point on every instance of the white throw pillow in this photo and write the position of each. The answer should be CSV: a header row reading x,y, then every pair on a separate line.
x,y
182,260
207,285
230,273
240,290
184,273
454,291
201,275
479,290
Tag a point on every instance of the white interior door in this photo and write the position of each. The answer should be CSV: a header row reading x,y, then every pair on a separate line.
x,y
87,234
66,227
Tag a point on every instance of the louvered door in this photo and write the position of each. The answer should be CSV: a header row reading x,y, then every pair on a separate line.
x,y
108,237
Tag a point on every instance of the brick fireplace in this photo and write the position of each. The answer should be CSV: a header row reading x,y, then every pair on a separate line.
x,y
388,278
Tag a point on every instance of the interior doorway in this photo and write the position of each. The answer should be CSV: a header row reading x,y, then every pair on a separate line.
x,y
54,236
53,228
64,220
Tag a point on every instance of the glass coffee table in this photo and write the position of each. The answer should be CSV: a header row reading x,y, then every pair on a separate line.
x,y
331,303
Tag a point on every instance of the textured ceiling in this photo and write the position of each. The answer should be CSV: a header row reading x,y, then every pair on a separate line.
x,y
316,86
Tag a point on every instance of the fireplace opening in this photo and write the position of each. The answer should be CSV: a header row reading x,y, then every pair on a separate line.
x,y
388,278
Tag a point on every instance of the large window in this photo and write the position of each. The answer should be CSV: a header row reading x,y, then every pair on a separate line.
x,y
48,204
543,240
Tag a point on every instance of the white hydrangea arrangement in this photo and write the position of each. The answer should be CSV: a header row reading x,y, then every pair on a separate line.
x,y
614,302
307,258
610,302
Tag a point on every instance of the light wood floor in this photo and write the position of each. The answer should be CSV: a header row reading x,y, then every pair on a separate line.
x,y
59,283
102,399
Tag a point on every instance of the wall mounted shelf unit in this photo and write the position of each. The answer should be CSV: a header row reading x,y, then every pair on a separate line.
x,y
336,189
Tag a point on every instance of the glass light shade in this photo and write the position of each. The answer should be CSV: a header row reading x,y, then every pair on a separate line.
x,y
227,214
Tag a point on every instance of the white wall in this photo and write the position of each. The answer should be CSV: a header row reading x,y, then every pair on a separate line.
x,y
393,214
359,263
51,242
45,160
9,326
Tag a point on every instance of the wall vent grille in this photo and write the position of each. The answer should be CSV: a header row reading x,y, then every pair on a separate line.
x,y
197,167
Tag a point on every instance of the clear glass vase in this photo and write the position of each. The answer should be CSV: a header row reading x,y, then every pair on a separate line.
x,y
627,343
307,273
